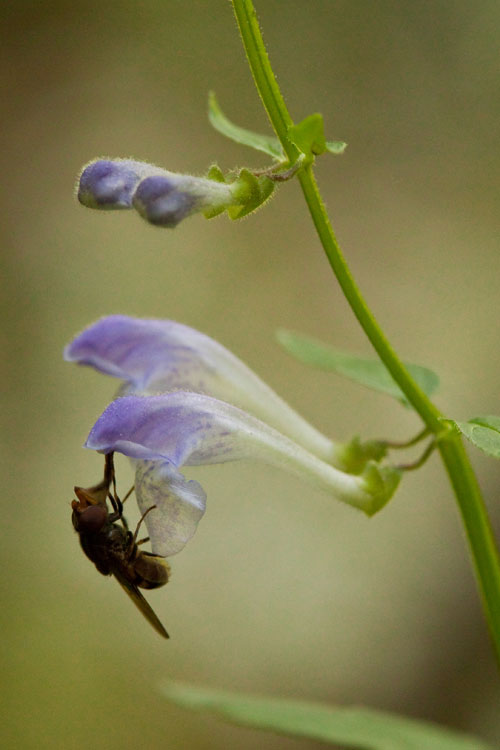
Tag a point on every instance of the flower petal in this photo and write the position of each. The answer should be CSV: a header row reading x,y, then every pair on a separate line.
x,y
157,356
191,429
180,504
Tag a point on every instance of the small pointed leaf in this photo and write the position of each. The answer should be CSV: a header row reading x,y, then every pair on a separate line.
x,y
359,728
216,174
268,144
309,137
483,432
336,147
368,372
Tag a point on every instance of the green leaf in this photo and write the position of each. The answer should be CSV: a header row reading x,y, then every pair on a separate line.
x,y
336,147
268,144
216,174
483,432
360,728
369,372
309,136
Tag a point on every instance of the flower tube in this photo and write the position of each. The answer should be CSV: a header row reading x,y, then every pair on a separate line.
x,y
161,434
157,356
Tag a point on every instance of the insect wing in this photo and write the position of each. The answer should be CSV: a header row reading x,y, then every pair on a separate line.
x,y
141,603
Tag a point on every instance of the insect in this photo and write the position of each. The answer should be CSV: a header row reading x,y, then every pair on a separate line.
x,y
106,540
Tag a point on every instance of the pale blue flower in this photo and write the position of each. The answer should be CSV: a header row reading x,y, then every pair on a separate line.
x,y
211,409
163,433
155,356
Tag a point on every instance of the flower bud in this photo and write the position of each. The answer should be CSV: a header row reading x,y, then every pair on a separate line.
x,y
166,199
110,184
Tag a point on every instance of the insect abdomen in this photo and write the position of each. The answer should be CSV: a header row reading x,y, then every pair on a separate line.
x,y
151,571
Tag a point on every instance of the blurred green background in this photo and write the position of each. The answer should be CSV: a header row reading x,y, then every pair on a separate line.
x,y
283,590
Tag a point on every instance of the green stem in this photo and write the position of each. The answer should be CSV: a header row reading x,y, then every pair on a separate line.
x,y
266,83
413,392
402,445
475,518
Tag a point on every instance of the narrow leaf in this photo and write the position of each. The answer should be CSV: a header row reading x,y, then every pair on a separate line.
x,y
368,372
268,144
483,432
360,728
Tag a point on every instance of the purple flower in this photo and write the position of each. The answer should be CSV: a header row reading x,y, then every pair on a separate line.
x,y
155,356
163,433
211,408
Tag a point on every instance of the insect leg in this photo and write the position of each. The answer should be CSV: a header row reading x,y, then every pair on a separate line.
x,y
119,509
109,474
128,493
139,524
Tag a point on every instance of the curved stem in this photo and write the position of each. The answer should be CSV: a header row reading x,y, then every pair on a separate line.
x,y
412,391
414,465
402,445
475,518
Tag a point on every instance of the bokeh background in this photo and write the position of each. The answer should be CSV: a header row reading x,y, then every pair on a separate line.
x,y
282,590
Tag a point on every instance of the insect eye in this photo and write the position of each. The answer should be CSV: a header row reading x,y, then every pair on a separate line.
x,y
92,518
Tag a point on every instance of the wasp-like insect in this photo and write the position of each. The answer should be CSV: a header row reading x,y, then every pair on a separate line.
x,y
106,540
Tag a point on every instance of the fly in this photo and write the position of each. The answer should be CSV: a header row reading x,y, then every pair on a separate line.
x,y
107,541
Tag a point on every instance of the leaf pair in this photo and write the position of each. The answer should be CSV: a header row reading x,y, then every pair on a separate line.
x,y
307,135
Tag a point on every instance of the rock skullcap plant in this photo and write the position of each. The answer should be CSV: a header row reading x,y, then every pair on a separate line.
x,y
185,400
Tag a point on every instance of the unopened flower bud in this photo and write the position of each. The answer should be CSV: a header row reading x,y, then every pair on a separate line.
x,y
164,200
110,184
